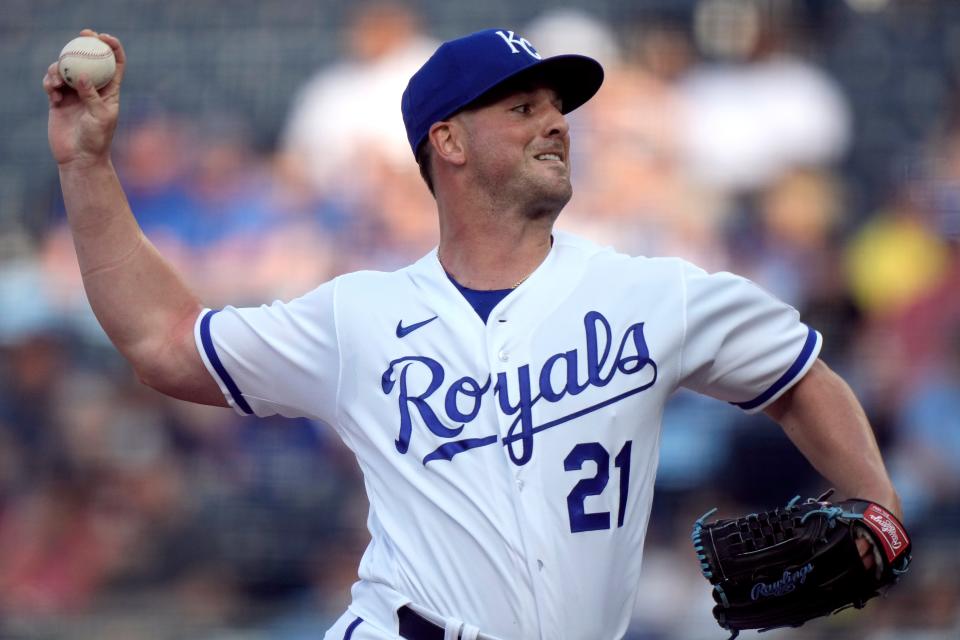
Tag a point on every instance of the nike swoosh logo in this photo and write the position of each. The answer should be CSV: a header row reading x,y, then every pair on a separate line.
x,y
403,331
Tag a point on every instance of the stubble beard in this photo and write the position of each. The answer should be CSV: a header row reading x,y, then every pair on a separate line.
x,y
535,192
542,197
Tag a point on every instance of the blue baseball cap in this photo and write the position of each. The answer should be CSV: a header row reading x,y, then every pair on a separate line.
x,y
463,70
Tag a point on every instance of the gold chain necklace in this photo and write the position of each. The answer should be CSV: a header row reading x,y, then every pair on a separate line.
x,y
522,280
513,286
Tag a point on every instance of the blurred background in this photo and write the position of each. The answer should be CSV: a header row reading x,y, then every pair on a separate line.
x,y
811,145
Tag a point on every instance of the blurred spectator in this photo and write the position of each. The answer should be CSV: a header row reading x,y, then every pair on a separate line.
x,y
348,115
215,207
30,368
72,530
344,140
930,320
896,257
560,31
155,156
758,110
629,187
788,248
929,440
244,218
50,560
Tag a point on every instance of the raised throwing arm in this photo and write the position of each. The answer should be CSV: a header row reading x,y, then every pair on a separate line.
x,y
140,301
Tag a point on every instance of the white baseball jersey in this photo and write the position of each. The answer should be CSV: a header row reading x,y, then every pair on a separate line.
x,y
509,465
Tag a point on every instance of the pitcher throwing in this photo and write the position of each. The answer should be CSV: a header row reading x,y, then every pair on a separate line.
x,y
503,394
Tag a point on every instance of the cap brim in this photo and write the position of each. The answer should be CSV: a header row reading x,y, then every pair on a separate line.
x,y
576,79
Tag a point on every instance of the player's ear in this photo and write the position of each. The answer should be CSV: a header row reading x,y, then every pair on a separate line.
x,y
446,137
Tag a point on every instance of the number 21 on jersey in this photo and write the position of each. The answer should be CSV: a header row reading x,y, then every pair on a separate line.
x,y
580,520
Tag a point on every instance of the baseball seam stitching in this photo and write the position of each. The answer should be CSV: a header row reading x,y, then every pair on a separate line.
x,y
86,54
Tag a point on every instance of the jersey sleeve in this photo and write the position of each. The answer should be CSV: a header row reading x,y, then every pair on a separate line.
x,y
741,344
282,358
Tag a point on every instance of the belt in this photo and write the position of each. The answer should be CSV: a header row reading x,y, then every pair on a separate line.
x,y
414,626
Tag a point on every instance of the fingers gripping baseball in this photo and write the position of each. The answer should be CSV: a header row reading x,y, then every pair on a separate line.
x,y
82,120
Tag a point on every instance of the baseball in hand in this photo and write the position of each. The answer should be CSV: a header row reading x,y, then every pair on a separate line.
x,y
90,56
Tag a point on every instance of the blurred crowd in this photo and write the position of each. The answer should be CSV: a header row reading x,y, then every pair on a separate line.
x,y
717,137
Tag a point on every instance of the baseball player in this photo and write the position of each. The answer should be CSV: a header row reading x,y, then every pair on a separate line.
x,y
503,394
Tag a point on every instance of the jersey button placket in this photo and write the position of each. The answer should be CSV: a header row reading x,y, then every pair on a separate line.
x,y
528,499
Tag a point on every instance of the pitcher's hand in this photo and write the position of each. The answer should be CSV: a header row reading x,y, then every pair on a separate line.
x,y
81,122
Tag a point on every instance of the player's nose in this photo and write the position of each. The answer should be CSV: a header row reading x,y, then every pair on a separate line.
x,y
555,123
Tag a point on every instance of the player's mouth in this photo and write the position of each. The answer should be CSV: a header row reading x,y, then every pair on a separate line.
x,y
549,156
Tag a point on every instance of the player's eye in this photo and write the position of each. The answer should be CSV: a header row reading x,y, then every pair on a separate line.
x,y
522,108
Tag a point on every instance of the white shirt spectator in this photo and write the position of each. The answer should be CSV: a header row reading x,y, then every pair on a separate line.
x,y
744,125
351,110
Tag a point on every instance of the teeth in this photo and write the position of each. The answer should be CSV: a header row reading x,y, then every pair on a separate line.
x,y
548,156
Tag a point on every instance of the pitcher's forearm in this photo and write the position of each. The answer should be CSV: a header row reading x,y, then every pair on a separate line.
x,y
137,296
825,421
103,227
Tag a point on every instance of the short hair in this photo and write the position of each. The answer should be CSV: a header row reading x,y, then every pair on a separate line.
x,y
424,158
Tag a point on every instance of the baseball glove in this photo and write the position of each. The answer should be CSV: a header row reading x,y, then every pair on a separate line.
x,y
783,567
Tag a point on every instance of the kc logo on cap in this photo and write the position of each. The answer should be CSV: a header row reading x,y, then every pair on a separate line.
x,y
465,69
524,44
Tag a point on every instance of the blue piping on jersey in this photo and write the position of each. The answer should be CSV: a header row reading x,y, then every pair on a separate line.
x,y
787,377
353,625
211,352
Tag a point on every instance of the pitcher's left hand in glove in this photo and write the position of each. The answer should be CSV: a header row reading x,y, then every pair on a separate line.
x,y
783,567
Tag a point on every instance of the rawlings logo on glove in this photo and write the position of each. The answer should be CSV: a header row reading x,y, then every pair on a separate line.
x,y
781,587
783,567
